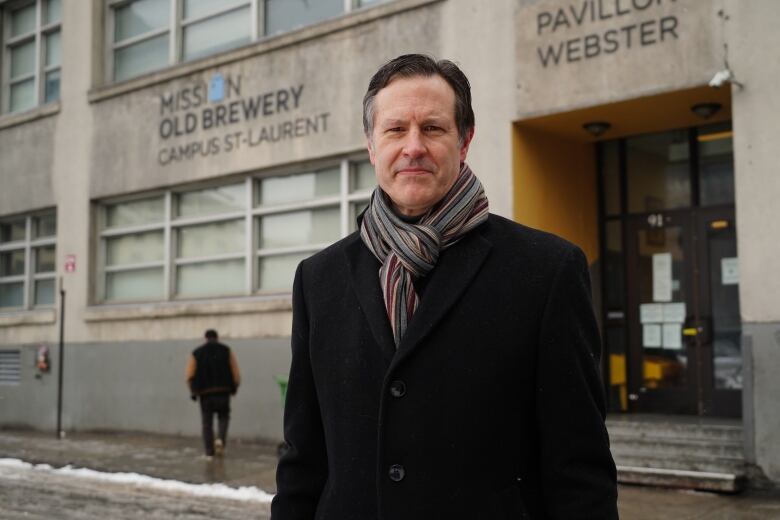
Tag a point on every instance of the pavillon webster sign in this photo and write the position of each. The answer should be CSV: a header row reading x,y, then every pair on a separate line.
x,y
617,26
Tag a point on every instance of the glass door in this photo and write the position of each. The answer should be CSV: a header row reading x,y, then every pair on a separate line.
x,y
664,368
719,329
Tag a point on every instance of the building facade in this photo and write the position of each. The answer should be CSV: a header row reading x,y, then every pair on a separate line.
x,y
165,164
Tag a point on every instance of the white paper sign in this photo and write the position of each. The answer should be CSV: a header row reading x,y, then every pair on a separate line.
x,y
674,312
672,336
651,313
651,335
662,277
729,271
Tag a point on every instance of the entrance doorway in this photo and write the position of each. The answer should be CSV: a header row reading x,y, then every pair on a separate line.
x,y
670,273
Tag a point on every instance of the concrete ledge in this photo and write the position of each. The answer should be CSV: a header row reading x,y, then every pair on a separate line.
x,y
279,303
707,481
262,46
49,109
34,317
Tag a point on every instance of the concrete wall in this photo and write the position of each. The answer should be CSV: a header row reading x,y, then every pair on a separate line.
x,y
140,386
752,39
25,179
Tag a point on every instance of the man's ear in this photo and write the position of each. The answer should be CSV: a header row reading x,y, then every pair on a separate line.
x,y
464,148
370,146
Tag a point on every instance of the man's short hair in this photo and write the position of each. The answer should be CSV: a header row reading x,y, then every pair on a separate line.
x,y
411,65
211,334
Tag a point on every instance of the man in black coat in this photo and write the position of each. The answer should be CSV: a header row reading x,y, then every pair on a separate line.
x,y
444,360
213,376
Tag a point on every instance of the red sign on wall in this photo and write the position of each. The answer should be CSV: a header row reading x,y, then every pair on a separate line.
x,y
70,263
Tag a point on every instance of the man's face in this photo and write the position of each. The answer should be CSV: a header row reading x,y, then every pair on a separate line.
x,y
415,147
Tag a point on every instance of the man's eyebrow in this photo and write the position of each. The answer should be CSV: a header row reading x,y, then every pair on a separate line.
x,y
428,120
393,122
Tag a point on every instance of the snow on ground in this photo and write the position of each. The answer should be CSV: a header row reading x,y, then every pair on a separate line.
x,y
246,493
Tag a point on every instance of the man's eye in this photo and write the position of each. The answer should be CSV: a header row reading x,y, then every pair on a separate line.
x,y
394,129
432,128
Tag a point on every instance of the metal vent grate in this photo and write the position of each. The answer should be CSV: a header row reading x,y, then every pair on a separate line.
x,y
10,367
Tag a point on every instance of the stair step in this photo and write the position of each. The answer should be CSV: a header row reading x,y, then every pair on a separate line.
x,y
708,465
709,481
681,452
623,429
676,448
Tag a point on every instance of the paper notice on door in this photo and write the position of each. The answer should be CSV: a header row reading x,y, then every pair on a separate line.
x,y
662,277
672,333
729,271
651,335
651,313
674,312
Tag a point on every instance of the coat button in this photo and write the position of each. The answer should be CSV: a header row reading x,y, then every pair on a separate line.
x,y
397,388
397,473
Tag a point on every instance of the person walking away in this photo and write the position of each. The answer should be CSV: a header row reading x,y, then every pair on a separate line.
x,y
213,376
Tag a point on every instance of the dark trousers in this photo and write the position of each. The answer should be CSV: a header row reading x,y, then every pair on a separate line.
x,y
211,404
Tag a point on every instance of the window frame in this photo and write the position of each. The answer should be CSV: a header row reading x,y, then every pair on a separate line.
x,y
177,24
40,69
252,212
30,245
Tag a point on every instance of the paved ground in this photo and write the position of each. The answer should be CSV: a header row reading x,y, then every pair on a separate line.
x,y
33,494
36,494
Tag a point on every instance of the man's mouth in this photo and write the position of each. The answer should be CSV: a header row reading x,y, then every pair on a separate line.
x,y
413,171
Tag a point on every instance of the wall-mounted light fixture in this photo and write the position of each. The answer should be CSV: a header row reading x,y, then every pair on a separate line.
x,y
706,110
596,128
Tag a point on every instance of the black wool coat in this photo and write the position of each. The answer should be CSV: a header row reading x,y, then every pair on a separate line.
x,y
491,407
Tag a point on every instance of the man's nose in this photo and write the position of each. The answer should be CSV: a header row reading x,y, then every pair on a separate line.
x,y
414,145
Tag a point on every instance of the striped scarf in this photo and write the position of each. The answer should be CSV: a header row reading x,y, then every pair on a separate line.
x,y
409,251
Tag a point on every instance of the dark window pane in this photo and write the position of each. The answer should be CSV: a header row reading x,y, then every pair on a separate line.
x,y
610,167
140,17
613,265
658,172
217,34
45,260
44,292
12,231
284,15
12,294
726,320
52,86
45,226
12,263
716,165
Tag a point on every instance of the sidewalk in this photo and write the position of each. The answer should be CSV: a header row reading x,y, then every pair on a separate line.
x,y
254,464
162,456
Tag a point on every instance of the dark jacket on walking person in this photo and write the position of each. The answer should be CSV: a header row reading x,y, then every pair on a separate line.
x,y
213,376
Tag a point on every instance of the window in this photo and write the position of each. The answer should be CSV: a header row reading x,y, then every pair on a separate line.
x,y
31,53
148,35
239,238
27,261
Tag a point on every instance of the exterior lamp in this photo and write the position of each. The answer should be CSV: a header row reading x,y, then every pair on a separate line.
x,y
706,110
596,128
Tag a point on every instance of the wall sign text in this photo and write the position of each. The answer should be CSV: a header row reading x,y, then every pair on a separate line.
x,y
622,34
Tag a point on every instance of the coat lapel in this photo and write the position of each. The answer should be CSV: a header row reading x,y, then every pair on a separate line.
x,y
454,271
364,270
